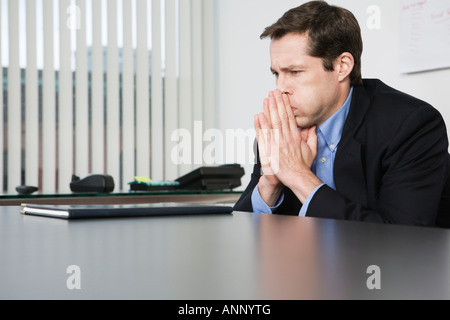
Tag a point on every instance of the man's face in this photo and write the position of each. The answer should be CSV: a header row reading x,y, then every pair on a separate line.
x,y
314,93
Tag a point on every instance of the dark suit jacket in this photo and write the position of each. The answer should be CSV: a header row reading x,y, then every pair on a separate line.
x,y
391,164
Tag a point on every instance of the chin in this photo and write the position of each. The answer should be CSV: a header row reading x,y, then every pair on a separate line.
x,y
304,123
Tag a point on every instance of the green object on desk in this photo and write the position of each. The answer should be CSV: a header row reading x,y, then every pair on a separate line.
x,y
149,182
142,179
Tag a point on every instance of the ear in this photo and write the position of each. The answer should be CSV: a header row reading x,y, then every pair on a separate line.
x,y
344,65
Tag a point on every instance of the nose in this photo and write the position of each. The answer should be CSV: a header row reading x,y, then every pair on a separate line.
x,y
283,85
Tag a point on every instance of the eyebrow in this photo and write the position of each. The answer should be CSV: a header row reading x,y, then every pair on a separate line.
x,y
287,68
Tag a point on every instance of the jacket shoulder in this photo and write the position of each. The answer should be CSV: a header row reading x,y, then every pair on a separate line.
x,y
381,115
388,105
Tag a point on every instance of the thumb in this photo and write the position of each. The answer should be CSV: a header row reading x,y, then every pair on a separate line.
x,y
312,138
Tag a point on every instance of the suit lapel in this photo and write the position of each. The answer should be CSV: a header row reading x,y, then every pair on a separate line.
x,y
348,167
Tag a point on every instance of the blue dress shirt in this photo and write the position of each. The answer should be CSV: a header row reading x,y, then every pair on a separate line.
x,y
328,137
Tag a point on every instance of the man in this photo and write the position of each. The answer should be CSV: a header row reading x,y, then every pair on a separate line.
x,y
335,146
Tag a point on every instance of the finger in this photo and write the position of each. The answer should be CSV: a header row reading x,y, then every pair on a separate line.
x,y
290,114
274,116
275,149
290,131
281,107
263,131
309,136
304,134
292,123
260,123
312,139
263,121
263,138
267,111
257,125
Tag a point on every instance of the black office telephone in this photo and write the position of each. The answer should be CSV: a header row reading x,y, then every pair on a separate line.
x,y
224,177
100,183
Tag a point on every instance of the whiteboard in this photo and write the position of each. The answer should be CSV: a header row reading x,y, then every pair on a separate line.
x,y
424,35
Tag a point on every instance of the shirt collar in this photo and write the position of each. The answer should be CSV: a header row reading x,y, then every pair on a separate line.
x,y
332,128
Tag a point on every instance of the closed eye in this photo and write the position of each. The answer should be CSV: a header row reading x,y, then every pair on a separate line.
x,y
274,72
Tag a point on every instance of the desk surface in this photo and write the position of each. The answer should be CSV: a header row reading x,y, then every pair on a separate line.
x,y
238,256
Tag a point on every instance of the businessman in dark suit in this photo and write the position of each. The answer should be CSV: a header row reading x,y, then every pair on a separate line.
x,y
335,146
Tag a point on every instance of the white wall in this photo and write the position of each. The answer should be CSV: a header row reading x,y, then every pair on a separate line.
x,y
243,59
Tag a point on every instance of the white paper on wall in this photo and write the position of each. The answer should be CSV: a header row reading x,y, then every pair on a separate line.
x,y
424,35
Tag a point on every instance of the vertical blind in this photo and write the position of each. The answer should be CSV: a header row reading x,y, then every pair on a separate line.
x,y
100,86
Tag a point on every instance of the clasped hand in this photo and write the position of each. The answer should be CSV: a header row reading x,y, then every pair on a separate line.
x,y
286,151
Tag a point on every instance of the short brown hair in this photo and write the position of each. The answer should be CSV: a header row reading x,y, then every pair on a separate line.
x,y
332,31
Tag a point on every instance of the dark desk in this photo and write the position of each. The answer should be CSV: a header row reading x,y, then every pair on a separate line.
x,y
239,256
122,198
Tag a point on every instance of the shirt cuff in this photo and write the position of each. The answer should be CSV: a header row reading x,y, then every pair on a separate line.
x,y
304,208
259,206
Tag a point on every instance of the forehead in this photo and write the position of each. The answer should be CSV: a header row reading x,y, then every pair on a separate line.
x,y
289,48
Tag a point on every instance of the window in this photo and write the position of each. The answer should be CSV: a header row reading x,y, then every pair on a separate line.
x,y
99,86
